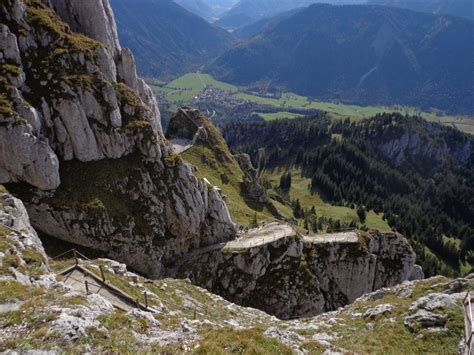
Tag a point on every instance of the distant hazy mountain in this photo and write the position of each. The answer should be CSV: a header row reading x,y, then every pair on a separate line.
x,y
462,8
207,9
166,39
246,12
221,6
198,7
361,54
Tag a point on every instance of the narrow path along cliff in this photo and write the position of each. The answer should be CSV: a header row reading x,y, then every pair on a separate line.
x,y
262,236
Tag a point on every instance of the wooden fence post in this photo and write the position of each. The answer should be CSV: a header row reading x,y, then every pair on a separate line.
x,y
102,273
75,256
87,287
146,299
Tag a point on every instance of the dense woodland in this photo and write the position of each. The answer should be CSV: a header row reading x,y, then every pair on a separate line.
x,y
347,166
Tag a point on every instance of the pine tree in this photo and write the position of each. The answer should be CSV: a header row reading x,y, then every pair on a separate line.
x,y
288,181
362,213
254,222
285,182
297,213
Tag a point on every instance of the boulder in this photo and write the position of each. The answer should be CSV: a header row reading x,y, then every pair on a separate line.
x,y
381,309
423,319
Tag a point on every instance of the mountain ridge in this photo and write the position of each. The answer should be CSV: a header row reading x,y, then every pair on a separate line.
x,y
461,8
246,12
364,55
166,39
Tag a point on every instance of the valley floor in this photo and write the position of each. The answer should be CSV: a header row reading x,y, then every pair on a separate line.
x,y
199,89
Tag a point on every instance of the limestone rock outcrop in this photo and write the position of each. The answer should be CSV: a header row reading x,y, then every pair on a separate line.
x,y
293,277
93,18
22,257
61,99
251,185
83,131
96,20
403,142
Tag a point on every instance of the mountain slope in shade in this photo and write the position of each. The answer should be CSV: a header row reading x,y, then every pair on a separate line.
x,y
165,38
461,8
361,54
264,24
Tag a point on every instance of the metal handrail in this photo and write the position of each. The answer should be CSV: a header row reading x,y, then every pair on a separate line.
x,y
75,253
468,324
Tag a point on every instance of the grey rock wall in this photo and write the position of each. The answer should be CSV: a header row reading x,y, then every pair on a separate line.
x,y
292,277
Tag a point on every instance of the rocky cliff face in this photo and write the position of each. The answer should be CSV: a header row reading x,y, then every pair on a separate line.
x,y
409,141
71,103
251,185
295,277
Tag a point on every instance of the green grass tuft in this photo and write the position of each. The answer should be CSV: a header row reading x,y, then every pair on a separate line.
x,y
230,341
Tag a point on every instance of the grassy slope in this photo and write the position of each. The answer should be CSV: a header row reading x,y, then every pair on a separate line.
x,y
117,333
183,89
391,336
214,160
29,326
299,190
242,213
466,267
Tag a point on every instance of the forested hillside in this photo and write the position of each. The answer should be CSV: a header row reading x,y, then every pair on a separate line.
x,y
166,39
360,54
419,174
